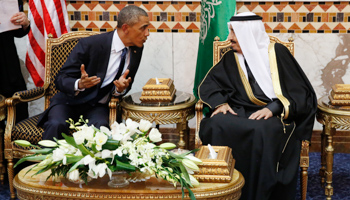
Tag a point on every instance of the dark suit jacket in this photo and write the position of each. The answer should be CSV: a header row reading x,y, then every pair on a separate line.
x,y
94,53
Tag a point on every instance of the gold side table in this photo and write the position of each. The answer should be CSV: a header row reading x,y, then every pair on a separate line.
x,y
332,118
178,112
2,117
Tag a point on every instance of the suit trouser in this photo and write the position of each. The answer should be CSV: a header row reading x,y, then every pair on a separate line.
x,y
98,115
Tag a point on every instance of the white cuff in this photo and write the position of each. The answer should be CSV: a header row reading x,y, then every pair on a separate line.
x,y
116,93
76,87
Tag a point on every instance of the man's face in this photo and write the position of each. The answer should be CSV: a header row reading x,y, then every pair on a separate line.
x,y
234,42
138,33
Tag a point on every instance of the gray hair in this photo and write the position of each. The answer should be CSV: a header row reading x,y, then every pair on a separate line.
x,y
130,15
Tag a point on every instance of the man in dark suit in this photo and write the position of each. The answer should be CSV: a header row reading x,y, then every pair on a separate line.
x,y
98,67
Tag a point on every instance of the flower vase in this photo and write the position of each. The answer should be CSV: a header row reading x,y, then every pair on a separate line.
x,y
119,179
80,181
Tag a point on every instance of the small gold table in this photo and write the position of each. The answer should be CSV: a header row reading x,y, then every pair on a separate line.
x,y
332,118
35,187
178,111
2,117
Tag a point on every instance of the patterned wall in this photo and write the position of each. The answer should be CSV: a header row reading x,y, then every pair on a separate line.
x,y
164,16
184,17
302,17
173,16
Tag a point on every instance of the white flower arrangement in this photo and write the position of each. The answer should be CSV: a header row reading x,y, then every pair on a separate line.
x,y
93,153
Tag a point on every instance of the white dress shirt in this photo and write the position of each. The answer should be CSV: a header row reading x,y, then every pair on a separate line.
x,y
113,65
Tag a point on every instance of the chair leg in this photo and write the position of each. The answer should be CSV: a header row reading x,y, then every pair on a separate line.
x,y
2,166
11,176
303,182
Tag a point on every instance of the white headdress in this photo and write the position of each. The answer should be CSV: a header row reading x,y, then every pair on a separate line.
x,y
254,42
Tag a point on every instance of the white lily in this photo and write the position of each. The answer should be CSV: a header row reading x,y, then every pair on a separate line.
x,y
58,154
73,175
167,145
88,132
155,135
23,143
100,139
100,170
64,161
107,154
194,181
47,143
132,126
194,159
43,164
88,159
79,137
190,164
105,130
145,125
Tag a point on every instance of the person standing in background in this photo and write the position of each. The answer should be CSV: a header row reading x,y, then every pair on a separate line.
x,y
11,79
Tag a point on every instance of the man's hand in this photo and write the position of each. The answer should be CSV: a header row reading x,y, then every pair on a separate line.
x,y
86,81
263,113
122,83
224,109
20,19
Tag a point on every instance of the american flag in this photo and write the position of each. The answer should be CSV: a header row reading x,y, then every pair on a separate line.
x,y
47,17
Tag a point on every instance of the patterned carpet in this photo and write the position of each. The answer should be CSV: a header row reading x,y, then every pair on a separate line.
x,y
341,179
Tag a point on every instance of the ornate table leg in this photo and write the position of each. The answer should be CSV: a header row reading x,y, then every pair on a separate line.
x,y
329,163
2,166
180,127
323,157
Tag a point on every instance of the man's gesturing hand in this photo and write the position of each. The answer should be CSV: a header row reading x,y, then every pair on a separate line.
x,y
86,81
224,109
122,83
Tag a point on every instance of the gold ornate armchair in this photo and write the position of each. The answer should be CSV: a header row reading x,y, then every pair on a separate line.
x,y
219,49
57,51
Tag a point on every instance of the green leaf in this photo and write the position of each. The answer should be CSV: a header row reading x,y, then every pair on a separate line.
x,y
182,188
178,156
73,159
125,166
70,140
185,174
111,144
93,147
84,150
96,129
73,167
190,193
30,158
42,151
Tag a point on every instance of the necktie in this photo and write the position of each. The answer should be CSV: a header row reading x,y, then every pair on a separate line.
x,y
105,90
122,63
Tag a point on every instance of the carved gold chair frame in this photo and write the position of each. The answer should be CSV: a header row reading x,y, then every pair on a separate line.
x,y
57,51
219,49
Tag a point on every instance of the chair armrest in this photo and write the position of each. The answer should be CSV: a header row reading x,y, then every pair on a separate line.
x,y
304,154
29,95
19,97
199,117
113,109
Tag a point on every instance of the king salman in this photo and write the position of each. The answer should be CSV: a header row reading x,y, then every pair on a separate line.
x,y
262,106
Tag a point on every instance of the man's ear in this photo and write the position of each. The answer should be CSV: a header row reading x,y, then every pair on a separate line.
x,y
125,28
